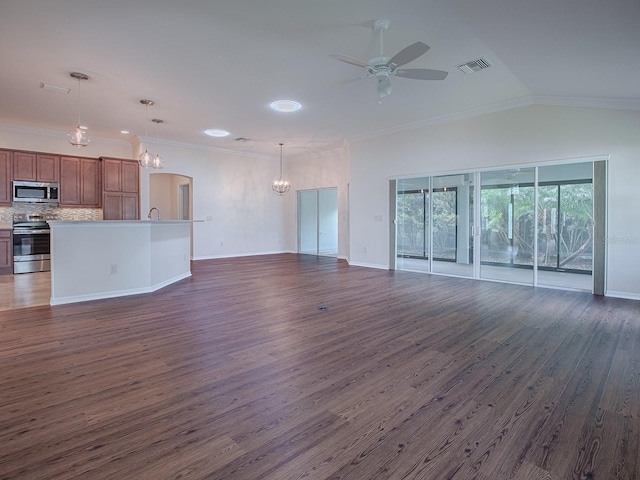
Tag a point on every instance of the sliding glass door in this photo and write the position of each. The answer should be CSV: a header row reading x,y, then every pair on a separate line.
x,y
412,224
532,225
565,225
507,225
452,225
434,224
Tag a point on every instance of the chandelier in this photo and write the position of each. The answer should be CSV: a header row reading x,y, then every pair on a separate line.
x,y
280,186
79,136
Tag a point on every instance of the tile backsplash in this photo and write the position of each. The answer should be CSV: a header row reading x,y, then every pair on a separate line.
x,y
6,213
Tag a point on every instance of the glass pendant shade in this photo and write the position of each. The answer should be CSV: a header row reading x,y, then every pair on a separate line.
x,y
145,159
157,162
78,137
280,186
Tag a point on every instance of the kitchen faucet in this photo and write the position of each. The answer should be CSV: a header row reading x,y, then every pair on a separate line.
x,y
152,209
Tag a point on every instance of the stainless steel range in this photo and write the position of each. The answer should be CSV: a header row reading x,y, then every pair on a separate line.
x,y
31,243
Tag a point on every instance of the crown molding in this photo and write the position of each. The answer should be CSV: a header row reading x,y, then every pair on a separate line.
x,y
590,102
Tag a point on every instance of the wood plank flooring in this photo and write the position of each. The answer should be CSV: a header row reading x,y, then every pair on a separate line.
x,y
298,367
24,290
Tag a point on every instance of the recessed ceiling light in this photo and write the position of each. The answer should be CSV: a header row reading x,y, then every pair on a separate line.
x,y
124,132
286,106
215,132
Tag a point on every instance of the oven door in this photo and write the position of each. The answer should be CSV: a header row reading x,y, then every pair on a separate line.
x,y
31,250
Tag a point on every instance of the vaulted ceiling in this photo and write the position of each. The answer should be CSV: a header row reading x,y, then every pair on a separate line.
x,y
219,64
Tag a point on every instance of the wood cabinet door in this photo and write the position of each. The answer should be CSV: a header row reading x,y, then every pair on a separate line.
x,y
130,210
47,168
6,177
90,182
112,175
112,206
70,181
130,177
24,166
6,252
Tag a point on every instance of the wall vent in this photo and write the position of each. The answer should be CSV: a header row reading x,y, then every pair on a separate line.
x,y
475,65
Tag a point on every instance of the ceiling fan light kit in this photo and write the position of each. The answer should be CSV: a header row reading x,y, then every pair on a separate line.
x,y
383,67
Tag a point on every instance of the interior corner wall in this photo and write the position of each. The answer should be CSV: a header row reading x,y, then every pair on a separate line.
x,y
525,135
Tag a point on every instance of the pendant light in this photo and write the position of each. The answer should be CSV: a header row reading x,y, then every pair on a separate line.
x,y
79,136
146,159
280,186
157,161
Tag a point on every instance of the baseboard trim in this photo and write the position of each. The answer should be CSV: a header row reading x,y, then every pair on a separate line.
x,y
117,293
627,295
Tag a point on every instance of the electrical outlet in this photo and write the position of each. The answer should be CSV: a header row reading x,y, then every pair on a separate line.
x,y
365,250
222,244
113,269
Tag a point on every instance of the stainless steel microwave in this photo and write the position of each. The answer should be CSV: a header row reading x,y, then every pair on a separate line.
x,y
35,192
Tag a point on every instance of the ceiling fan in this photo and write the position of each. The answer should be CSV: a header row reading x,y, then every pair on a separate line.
x,y
383,67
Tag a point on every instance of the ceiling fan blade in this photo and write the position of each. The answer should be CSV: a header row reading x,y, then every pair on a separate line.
x,y
348,59
422,74
384,87
409,54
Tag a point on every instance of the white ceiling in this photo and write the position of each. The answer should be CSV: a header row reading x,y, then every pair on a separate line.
x,y
218,64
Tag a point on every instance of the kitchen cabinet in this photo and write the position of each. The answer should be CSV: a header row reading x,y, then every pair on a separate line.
x,y
120,206
120,175
120,179
80,182
6,191
35,167
6,252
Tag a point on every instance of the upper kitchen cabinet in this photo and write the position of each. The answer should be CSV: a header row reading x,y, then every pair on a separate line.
x,y
80,182
120,175
6,193
33,167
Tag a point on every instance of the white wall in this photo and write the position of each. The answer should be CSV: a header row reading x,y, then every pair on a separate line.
x,y
523,135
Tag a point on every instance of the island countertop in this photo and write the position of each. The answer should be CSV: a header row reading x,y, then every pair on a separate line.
x,y
120,222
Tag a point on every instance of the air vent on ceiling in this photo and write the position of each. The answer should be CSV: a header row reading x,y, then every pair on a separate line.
x,y
475,65
242,139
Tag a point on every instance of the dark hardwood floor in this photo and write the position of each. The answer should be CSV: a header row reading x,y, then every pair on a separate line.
x,y
298,367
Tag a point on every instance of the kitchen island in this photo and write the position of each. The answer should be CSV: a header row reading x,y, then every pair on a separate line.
x,y
112,258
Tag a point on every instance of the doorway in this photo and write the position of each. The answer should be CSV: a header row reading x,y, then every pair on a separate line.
x,y
318,221
172,195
